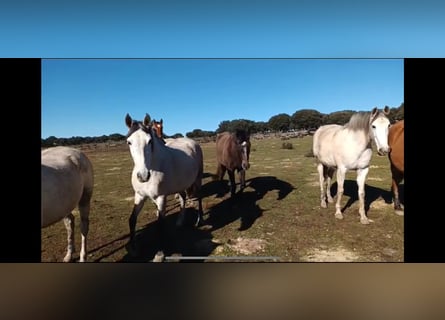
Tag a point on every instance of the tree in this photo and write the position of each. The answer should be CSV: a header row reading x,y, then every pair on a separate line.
x,y
280,122
260,126
338,117
177,135
307,119
233,125
396,114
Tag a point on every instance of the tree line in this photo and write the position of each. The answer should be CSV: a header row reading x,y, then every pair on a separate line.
x,y
305,119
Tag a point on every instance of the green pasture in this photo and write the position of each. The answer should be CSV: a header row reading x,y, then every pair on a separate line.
x,y
278,215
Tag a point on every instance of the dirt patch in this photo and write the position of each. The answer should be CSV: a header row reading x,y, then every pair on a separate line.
x,y
246,246
333,255
379,204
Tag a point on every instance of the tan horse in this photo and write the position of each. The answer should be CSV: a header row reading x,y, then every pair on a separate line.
x,y
67,183
396,157
232,153
348,147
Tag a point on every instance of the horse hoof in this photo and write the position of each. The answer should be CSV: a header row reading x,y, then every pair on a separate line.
x,y
323,204
159,257
339,215
67,258
131,249
330,200
365,221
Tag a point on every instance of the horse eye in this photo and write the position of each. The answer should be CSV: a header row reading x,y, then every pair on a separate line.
x,y
373,126
129,143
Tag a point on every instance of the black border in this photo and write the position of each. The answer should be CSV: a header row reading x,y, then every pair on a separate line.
x,y
21,114
424,216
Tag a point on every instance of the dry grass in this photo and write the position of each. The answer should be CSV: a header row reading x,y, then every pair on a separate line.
x,y
279,211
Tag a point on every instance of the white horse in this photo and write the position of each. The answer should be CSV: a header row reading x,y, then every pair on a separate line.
x,y
175,167
67,183
348,147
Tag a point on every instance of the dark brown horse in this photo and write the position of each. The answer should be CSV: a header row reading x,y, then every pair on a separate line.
x,y
232,153
396,156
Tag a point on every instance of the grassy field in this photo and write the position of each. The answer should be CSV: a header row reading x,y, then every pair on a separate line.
x,y
276,218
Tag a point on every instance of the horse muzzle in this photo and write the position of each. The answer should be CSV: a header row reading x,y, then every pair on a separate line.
x,y
143,177
383,151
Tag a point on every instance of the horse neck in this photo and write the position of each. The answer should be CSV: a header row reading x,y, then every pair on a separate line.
x,y
361,123
160,152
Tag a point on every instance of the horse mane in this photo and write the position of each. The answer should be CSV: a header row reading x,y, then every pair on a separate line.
x,y
359,121
241,135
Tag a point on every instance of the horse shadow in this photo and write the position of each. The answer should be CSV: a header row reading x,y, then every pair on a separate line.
x,y
173,240
371,194
243,206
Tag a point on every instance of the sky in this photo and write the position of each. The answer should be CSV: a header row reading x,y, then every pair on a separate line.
x,y
222,29
91,97
248,29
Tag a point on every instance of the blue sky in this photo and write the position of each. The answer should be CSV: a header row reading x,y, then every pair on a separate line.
x,y
90,97
222,29
390,29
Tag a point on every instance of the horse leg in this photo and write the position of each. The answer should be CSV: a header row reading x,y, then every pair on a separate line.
x,y
221,171
161,203
194,193
84,209
69,225
84,227
242,178
340,190
397,177
182,202
321,176
361,178
232,182
138,204
328,177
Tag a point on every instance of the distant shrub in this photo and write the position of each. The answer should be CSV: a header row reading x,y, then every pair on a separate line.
x,y
287,145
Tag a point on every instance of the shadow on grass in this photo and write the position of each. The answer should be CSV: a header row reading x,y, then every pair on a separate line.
x,y
243,205
185,240
189,240
371,194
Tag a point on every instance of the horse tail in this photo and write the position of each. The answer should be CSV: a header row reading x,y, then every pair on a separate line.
x,y
86,168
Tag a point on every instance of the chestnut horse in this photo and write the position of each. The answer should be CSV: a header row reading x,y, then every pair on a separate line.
x,y
232,153
158,127
396,158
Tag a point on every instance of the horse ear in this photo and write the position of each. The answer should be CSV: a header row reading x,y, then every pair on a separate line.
x,y
147,120
160,121
374,112
128,120
386,110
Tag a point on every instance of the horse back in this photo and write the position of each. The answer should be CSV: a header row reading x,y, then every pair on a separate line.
x,y
66,181
193,155
323,140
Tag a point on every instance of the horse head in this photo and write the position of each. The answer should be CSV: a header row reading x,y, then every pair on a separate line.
x,y
158,128
243,139
140,142
379,125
